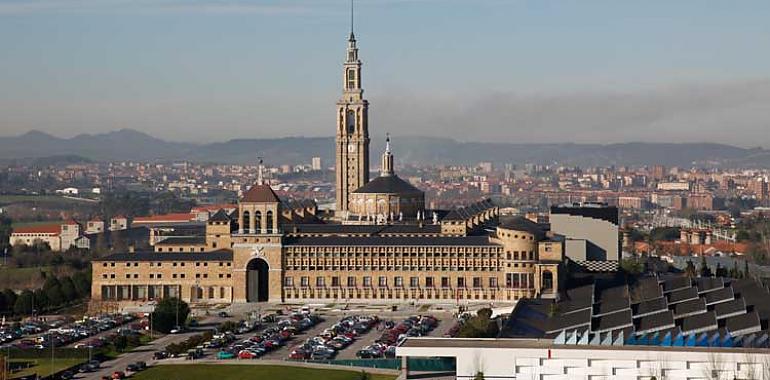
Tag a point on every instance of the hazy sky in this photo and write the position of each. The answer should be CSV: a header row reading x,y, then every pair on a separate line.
x,y
475,70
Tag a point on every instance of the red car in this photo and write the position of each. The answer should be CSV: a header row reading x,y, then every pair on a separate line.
x,y
117,375
244,354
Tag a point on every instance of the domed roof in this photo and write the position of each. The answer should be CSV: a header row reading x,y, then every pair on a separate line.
x,y
388,185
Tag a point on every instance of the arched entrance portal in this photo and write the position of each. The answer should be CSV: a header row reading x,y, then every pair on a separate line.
x,y
256,281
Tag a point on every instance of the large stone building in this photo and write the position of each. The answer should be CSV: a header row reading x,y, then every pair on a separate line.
x,y
280,251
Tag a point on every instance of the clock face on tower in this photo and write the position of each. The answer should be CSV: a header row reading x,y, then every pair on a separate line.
x,y
351,147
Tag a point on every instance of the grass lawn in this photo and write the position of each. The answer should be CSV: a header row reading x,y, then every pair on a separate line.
x,y
43,367
241,372
11,277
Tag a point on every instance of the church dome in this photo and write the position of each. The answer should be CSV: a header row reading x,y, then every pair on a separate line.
x,y
388,185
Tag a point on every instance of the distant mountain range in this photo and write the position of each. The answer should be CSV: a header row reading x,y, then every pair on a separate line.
x,y
128,144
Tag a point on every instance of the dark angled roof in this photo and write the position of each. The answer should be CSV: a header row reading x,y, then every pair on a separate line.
x,y
748,321
611,305
707,284
650,306
569,321
690,307
456,214
646,289
364,229
220,216
260,194
731,307
721,295
614,321
682,295
519,223
606,213
675,283
182,240
221,255
388,185
395,241
656,322
699,322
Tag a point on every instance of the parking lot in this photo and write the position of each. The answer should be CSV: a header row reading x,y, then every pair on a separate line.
x,y
335,336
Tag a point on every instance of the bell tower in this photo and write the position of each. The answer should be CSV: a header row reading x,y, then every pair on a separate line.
x,y
352,138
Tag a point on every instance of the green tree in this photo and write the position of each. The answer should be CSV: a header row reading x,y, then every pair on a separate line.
x,y
54,296
705,271
120,342
68,289
10,299
632,266
41,300
721,271
5,233
82,281
4,307
168,313
24,303
479,326
690,269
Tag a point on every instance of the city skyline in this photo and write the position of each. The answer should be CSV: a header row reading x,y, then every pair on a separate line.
x,y
593,73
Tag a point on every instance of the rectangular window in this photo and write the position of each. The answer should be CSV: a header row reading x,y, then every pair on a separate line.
x,y
383,281
429,282
460,282
288,281
351,281
477,282
320,281
367,281
399,281
444,282
304,281
414,282
493,282
335,281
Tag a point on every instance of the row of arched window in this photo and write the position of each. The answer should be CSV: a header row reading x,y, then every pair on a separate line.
x,y
246,224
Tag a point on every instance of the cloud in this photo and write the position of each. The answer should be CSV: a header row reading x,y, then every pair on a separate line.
x,y
736,113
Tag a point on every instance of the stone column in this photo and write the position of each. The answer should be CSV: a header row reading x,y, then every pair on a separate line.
x,y
252,220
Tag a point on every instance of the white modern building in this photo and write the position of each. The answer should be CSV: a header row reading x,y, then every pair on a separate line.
x,y
541,359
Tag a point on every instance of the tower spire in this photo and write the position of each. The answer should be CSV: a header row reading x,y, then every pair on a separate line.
x,y
387,159
352,35
261,175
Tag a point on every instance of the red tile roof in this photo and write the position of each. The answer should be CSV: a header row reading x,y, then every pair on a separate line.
x,y
260,194
39,229
177,217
